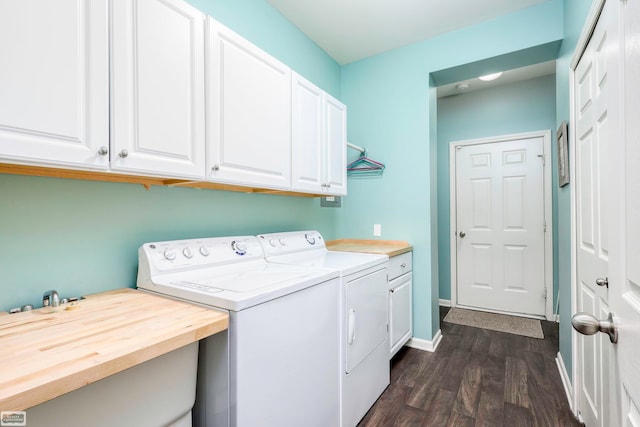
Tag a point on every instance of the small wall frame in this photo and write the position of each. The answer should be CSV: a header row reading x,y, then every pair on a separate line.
x,y
563,155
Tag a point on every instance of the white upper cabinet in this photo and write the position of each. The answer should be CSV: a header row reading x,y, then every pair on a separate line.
x,y
249,116
54,82
158,99
336,140
308,146
319,140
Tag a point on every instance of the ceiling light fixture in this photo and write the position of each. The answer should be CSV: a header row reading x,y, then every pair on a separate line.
x,y
463,86
490,77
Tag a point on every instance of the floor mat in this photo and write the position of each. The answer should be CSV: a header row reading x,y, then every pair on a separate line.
x,y
496,322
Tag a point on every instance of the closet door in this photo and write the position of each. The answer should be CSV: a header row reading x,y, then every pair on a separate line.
x,y
54,82
158,88
249,132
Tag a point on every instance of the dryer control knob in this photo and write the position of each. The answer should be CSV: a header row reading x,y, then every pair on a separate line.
x,y
310,239
187,252
204,251
273,242
169,254
239,247
283,242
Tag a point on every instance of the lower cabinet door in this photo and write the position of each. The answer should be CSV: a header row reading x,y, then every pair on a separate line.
x,y
400,325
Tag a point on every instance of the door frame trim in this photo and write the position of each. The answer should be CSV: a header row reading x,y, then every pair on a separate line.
x,y
585,36
548,213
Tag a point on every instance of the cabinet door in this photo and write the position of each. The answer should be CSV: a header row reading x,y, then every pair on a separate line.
x,y
400,326
336,143
249,122
54,82
158,98
307,151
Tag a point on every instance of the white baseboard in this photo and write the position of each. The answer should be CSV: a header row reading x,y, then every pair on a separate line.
x,y
426,345
445,303
566,382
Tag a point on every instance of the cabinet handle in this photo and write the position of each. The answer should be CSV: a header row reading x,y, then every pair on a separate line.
x,y
215,168
103,151
392,290
403,265
328,185
123,154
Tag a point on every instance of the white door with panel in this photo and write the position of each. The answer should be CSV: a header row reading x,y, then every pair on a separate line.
x,y
158,102
249,117
318,140
605,105
595,126
54,82
400,301
500,226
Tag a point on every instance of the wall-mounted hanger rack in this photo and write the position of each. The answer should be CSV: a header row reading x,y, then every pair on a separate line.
x,y
363,165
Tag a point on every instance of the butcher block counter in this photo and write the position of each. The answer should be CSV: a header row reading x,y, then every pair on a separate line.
x,y
48,352
384,247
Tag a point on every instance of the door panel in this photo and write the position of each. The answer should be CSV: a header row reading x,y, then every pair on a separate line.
x,y
366,316
54,82
500,210
158,88
250,117
593,79
625,238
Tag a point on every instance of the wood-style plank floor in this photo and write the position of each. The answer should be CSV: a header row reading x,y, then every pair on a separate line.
x,y
476,377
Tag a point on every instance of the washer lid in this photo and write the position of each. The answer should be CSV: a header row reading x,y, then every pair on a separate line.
x,y
236,287
345,262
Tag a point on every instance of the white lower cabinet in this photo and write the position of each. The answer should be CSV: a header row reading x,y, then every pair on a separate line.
x,y
54,83
400,301
249,117
158,103
319,140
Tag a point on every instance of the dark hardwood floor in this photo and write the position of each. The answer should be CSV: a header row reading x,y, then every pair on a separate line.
x,y
476,377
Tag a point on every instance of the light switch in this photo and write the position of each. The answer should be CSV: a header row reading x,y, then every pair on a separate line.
x,y
377,230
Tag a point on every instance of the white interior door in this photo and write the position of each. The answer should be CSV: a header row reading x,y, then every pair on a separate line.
x,y
625,266
596,121
500,226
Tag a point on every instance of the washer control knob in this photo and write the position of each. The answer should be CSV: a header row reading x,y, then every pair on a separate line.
x,y
310,239
169,254
204,251
239,247
273,242
187,252
283,242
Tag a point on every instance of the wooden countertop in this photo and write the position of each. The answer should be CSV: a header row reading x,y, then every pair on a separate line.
x,y
385,247
46,353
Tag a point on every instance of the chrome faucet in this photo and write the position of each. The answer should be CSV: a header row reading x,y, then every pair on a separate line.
x,y
51,298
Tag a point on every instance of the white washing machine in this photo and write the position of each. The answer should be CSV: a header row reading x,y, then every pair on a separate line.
x,y
278,363
363,314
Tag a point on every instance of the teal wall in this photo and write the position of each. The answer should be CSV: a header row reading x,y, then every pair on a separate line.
x,y
512,108
391,112
575,14
81,237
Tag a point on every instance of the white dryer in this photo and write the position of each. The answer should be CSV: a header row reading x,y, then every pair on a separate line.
x,y
278,364
363,313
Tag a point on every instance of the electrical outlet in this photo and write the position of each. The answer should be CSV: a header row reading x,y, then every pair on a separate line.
x,y
377,230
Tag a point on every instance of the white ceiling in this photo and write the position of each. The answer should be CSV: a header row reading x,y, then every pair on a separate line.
x,y
509,76
349,30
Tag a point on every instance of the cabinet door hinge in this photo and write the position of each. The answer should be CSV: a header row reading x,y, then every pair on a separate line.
x,y
544,227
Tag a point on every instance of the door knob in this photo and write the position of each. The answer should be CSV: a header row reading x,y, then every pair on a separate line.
x,y
462,234
586,324
602,282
